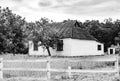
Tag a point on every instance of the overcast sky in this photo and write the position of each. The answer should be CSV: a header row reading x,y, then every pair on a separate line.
x,y
59,10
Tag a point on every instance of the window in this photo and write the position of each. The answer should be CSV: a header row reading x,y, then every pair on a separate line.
x,y
99,47
36,46
111,51
60,45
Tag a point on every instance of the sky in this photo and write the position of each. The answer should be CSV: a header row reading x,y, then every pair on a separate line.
x,y
59,10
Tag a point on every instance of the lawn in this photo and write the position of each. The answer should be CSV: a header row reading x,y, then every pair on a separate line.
x,y
62,63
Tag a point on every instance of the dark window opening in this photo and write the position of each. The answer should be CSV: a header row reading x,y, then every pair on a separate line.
x,y
36,46
99,47
111,51
60,45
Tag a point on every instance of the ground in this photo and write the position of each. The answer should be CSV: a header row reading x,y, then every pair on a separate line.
x,y
58,64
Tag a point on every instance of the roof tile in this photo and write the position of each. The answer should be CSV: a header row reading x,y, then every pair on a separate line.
x,y
72,29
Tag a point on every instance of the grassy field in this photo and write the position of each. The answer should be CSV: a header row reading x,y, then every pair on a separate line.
x,y
58,64
79,77
76,77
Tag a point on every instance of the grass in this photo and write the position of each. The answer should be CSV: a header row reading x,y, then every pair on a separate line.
x,y
58,64
76,77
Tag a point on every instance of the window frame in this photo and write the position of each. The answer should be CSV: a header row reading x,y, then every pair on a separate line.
x,y
35,46
111,50
99,47
58,45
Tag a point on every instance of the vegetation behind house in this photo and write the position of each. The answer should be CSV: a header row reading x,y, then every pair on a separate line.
x,y
15,31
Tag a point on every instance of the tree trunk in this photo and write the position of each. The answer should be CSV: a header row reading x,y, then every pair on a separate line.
x,y
48,51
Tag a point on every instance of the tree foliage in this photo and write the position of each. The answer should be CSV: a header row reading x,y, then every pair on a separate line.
x,y
45,34
11,32
104,32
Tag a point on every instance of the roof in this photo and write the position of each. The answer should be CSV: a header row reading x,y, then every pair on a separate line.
x,y
72,29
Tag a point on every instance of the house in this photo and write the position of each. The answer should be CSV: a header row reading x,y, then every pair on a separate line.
x,y
74,41
115,49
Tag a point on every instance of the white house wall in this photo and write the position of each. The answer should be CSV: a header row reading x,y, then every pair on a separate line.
x,y
40,51
85,47
71,47
75,47
66,49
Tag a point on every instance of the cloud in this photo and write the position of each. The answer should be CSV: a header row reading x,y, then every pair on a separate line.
x,y
81,7
63,9
45,3
18,0
93,8
86,6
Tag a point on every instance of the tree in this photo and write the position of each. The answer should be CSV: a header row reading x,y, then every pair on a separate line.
x,y
11,31
44,33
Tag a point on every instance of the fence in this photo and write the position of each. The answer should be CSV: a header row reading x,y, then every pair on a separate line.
x,y
48,68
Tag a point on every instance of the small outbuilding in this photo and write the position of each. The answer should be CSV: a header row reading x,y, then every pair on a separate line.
x,y
74,41
115,49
